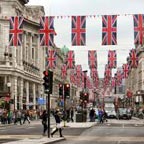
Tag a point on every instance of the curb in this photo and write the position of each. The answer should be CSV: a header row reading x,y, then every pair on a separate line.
x,y
51,142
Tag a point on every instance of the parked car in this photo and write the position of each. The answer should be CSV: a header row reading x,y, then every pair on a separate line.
x,y
123,113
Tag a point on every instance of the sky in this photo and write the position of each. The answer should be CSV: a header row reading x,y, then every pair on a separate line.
x,y
125,32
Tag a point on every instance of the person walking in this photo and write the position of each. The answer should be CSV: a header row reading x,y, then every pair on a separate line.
x,y
92,115
100,113
26,117
18,117
72,114
44,117
58,121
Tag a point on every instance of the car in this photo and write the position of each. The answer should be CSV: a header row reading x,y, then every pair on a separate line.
x,y
110,112
123,113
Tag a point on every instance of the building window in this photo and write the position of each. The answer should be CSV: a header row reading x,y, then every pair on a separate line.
x,y
1,83
32,53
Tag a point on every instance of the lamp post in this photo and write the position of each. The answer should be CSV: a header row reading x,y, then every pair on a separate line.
x,y
9,85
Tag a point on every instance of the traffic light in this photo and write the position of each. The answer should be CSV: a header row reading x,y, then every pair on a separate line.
x,y
85,97
48,81
67,90
81,95
60,90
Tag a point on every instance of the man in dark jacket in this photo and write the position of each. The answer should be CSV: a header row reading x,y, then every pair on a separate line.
x,y
58,121
44,122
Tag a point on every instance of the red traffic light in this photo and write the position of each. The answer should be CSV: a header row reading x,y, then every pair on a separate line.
x,y
67,85
60,85
45,73
85,94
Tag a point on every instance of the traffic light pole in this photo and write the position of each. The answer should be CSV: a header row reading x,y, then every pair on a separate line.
x,y
64,99
48,112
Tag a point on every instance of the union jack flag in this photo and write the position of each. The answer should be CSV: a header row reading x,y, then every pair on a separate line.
x,y
125,70
118,78
108,72
113,82
92,58
72,76
93,73
109,30
133,59
70,59
51,59
47,31
79,71
112,59
78,30
64,71
138,28
15,32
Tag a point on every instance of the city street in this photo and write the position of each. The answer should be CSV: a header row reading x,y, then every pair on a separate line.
x,y
112,132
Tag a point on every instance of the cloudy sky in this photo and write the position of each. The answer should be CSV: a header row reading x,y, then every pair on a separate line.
x,y
125,36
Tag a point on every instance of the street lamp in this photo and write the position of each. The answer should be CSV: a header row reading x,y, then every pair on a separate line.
x,y
9,85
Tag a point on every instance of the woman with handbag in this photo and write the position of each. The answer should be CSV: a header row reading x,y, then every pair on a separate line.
x,y
58,126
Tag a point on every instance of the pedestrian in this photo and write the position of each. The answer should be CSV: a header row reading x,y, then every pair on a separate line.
x,y
58,126
44,121
72,114
18,117
92,115
26,117
100,113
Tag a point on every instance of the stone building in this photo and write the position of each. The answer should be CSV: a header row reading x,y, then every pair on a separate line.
x,y
21,67
135,80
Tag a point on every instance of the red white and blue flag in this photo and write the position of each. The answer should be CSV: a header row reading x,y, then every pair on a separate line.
x,y
108,72
138,28
93,73
133,59
109,30
113,82
92,59
15,31
119,78
47,31
125,70
72,76
78,30
63,71
70,59
78,69
112,59
51,59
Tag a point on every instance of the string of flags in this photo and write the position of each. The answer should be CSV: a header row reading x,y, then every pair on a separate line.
x,y
78,30
78,38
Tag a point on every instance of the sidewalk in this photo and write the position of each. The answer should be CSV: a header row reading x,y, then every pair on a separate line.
x,y
46,140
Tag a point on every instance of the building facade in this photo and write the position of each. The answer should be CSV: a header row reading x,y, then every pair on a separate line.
x,y
21,67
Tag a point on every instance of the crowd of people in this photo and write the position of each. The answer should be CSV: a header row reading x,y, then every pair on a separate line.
x,y
17,116
100,114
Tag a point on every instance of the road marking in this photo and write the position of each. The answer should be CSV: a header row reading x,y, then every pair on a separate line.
x,y
101,138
